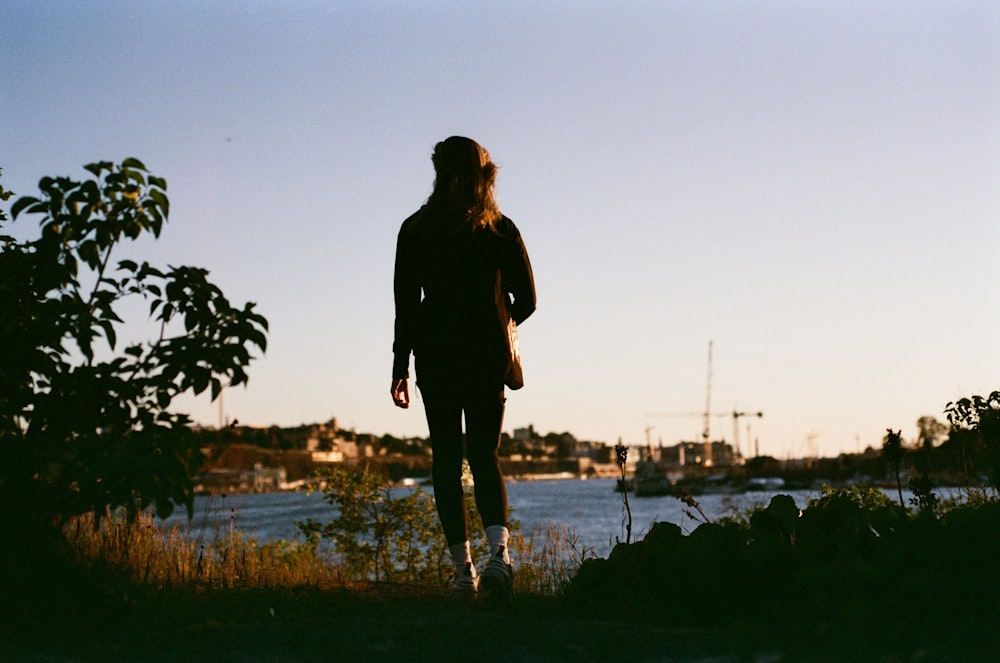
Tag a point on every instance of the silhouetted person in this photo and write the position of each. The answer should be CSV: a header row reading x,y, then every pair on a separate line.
x,y
458,259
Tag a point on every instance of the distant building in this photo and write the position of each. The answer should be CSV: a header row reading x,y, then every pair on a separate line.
x,y
335,456
525,434
329,444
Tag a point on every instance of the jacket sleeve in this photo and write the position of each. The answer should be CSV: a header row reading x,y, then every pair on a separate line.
x,y
518,279
406,290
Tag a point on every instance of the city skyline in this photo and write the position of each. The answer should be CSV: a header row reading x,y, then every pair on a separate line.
x,y
811,188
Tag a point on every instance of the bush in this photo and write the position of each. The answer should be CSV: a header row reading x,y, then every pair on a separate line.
x,y
84,425
975,428
847,550
384,534
378,535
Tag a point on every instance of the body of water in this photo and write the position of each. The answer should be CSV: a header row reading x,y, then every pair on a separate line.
x,y
590,508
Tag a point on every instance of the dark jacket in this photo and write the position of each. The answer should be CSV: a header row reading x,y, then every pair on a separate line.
x,y
450,282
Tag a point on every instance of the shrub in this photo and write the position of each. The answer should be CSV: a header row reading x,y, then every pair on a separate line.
x,y
378,535
84,425
975,427
384,534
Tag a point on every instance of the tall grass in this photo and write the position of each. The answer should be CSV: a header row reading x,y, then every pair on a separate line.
x,y
547,557
152,556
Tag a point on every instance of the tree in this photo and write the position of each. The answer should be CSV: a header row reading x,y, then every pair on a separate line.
x,y
85,425
930,431
975,429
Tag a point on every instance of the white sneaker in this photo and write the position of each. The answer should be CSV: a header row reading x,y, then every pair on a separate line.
x,y
465,582
498,579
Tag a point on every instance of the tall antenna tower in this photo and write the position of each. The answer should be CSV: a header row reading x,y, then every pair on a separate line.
x,y
706,437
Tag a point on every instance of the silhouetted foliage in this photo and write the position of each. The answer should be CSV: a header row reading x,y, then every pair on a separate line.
x,y
975,430
892,451
845,557
929,431
379,534
85,424
4,195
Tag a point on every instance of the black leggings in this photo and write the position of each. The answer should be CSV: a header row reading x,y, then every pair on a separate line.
x,y
483,407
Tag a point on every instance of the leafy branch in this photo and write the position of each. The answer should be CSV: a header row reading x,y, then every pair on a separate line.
x,y
80,435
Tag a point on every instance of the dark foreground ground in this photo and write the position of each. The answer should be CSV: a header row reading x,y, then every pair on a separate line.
x,y
388,624
53,611
407,624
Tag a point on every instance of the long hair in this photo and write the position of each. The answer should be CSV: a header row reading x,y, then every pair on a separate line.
x,y
464,181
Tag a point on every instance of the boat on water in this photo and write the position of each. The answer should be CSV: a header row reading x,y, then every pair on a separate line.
x,y
654,480
764,483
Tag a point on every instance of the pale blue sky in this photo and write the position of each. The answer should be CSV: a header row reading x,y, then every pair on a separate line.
x,y
812,185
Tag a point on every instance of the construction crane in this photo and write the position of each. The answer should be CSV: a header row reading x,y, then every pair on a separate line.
x,y
705,436
707,415
735,414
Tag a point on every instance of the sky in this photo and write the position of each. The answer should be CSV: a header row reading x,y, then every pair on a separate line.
x,y
810,187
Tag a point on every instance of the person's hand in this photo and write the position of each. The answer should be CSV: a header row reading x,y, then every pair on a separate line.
x,y
400,391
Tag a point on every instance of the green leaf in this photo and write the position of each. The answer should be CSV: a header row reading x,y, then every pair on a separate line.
x,y
161,199
21,203
134,175
147,270
257,338
133,230
128,265
109,332
91,191
132,162
97,168
89,253
70,263
200,381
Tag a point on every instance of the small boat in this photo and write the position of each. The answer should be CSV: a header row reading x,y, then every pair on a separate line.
x,y
765,483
